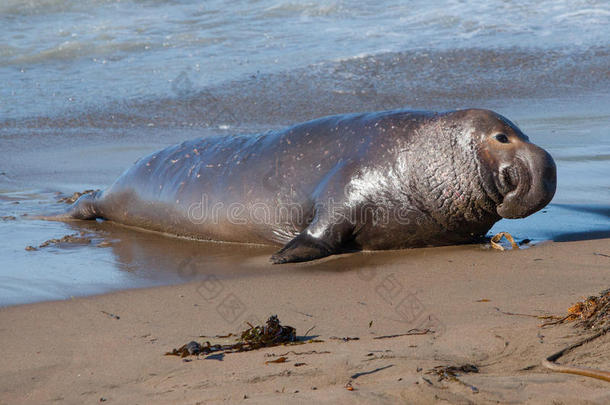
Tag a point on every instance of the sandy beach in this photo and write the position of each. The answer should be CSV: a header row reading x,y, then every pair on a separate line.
x,y
111,347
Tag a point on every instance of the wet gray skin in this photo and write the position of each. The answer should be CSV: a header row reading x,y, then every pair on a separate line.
x,y
382,180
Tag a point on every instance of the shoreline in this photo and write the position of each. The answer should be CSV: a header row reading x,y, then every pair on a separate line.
x,y
111,346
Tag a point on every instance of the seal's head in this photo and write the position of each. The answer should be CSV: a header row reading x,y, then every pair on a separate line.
x,y
517,175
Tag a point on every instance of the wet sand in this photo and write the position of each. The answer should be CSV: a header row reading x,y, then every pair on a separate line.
x,y
111,346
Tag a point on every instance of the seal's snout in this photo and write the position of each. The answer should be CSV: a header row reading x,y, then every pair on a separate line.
x,y
531,179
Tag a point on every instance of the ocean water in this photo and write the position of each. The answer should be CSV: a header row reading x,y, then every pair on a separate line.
x,y
87,87
58,56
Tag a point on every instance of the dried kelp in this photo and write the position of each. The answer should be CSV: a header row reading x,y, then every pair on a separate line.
x,y
270,334
497,237
591,313
73,239
550,362
411,332
255,337
71,199
451,373
278,360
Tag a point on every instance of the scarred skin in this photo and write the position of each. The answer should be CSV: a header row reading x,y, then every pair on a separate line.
x,y
383,180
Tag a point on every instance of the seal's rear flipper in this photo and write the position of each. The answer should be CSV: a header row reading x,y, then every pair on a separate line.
x,y
302,248
86,207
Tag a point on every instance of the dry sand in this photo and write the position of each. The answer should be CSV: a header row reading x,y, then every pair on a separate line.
x,y
110,348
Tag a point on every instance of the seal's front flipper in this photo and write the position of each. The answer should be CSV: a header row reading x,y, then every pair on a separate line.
x,y
325,236
302,248
331,229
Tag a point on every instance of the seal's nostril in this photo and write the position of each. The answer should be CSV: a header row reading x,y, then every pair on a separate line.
x,y
510,178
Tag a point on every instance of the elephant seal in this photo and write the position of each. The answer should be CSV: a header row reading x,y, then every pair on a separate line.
x,y
381,180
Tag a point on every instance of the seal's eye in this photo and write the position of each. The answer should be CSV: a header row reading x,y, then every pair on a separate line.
x,y
502,138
